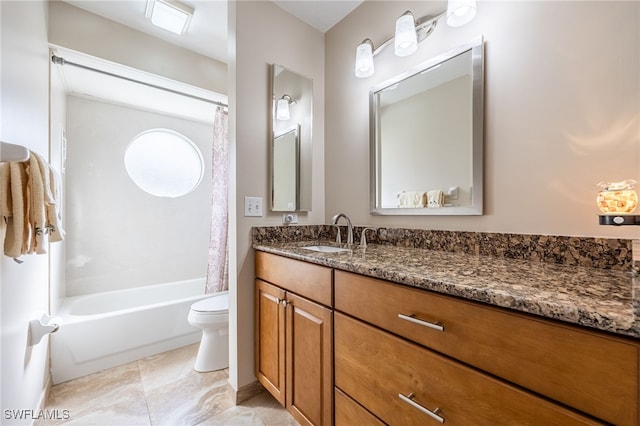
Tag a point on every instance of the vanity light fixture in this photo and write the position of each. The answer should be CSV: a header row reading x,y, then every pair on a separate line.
x,y
169,14
282,107
410,32
406,39
364,59
460,12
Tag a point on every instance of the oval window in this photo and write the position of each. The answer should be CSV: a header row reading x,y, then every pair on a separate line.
x,y
164,163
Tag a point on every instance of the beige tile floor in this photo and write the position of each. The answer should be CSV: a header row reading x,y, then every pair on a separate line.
x,y
160,390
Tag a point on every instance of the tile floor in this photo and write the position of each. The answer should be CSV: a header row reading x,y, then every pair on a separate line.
x,y
160,390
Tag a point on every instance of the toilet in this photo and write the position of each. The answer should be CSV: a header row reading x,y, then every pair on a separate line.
x,y
212,316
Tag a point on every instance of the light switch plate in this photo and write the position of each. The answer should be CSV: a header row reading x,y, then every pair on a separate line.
x,y
252,206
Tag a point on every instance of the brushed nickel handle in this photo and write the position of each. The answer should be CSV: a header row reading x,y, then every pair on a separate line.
x,y
433,414
284,303
412,318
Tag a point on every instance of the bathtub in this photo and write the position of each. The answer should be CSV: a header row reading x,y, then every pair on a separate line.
x,y
103,330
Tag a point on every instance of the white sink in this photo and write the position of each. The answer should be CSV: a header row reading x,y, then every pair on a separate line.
x,y
325,249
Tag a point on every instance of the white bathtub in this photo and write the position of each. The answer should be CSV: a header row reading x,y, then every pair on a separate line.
x,y
102,330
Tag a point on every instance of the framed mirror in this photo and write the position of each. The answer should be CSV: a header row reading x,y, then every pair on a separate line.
x,y
426,130
291,140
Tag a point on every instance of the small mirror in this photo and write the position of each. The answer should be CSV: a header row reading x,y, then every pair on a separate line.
x,y
291,144
427,137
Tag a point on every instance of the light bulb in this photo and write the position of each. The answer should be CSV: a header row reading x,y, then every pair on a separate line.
x,y
282,109
364,59
460,12
406,40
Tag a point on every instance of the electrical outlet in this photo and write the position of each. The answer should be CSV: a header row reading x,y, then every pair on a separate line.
x,y
290,218
635,250
253,206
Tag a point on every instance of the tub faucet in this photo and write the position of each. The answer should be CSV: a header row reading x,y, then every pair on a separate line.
x,y
334,221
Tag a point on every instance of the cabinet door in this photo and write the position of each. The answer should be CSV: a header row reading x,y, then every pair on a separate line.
x,y
270,338
309,361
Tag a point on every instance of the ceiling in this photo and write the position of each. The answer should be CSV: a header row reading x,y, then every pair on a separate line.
x,y
207,32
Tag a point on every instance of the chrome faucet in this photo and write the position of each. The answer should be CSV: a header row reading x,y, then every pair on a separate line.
x,y
363,238
334,221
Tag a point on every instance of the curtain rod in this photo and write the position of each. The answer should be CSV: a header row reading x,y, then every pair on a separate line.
x,y
61,61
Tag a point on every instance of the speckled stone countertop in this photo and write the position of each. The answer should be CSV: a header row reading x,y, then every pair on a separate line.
x,y
602,299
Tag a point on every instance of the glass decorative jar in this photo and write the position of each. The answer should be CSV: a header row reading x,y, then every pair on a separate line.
x,y
617,198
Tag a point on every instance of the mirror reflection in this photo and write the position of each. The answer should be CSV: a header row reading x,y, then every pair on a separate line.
x,y
426,137
291,141
285,170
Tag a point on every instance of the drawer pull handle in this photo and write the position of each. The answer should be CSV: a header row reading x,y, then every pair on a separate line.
x,y
412,318
433,414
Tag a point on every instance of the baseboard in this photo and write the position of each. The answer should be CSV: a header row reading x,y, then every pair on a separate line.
x,y
244,393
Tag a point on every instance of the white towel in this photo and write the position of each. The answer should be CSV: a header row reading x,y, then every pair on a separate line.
x,y
435,198
412,199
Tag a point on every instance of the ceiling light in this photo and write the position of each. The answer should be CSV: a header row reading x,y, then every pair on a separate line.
x,y
168,14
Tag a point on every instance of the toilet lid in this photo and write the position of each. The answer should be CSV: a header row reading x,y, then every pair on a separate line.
x,y
219,303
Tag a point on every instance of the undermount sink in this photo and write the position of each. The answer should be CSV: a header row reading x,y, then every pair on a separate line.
x,y
325,249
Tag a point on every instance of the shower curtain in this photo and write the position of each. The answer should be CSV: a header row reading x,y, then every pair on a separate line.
x,y
218,268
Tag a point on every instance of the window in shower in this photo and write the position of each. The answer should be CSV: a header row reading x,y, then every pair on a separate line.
x,y
164,163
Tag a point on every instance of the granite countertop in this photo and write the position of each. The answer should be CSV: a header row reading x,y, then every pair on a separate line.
x,y
602,299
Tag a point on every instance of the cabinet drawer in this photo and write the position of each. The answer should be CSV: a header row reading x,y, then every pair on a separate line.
x,y
349,412
405,384
592,372
306,279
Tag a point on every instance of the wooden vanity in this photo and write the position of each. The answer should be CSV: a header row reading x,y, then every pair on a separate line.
x,y
340,347
449,354
294,336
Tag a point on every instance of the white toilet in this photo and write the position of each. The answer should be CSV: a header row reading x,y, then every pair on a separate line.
x,y
212,316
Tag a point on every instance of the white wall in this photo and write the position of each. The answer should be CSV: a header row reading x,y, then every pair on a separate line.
x,y
77,29
562,111
24,120
119,236
418,136
260,33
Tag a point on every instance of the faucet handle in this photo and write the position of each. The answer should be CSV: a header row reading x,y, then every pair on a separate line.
x,y
363,239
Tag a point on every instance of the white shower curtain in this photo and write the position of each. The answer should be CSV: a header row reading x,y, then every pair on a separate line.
x,y
218,268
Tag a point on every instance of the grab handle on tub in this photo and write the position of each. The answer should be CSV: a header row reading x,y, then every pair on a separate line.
x,y
39,327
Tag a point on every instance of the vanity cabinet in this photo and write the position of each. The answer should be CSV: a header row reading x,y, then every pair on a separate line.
x,y
294,336
411,356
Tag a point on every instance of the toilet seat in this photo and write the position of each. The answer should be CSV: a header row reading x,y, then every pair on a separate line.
x,y
216,304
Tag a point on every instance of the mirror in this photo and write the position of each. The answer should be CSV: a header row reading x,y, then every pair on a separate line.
x,y
285,170
291,141
426,128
